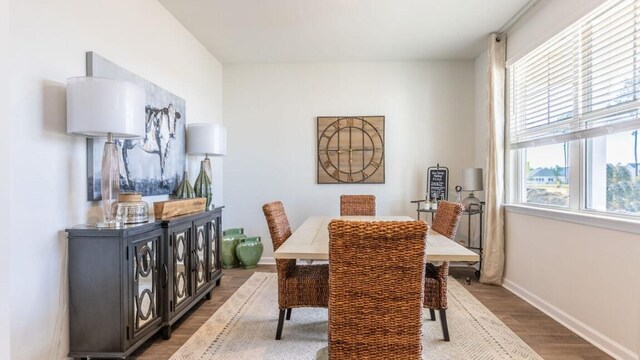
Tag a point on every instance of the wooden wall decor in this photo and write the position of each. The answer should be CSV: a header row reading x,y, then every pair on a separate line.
x,y
350,149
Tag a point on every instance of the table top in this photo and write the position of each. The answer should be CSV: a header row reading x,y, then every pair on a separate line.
x,y
311,241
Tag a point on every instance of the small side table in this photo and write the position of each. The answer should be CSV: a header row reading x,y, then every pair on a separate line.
x,y
473,210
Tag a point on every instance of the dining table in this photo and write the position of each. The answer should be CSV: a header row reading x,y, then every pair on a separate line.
x,y
311,241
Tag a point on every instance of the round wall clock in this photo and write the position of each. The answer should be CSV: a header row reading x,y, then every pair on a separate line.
x,y
351,149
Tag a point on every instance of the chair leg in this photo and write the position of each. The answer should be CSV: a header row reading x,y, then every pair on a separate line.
x,y
443,320
433,314
289,314
280,323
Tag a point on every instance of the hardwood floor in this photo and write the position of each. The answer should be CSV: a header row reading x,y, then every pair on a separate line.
x,y
546,336
159,349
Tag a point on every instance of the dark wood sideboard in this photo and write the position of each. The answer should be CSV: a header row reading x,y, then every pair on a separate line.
x,y
127,284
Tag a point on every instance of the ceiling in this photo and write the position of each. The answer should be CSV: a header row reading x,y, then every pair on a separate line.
x,y
279,31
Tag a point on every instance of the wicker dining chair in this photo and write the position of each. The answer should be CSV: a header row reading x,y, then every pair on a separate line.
x,y
376,277
357,205
298,286
446,221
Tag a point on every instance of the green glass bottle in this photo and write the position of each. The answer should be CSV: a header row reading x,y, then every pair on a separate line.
x,y
203,185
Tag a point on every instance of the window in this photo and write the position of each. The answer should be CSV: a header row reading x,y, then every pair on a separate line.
x,y
546,175
613,174
574,108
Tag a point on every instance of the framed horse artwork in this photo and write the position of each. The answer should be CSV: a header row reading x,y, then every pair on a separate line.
x,y
153,165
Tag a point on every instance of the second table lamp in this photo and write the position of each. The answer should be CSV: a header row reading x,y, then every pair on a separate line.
x,y
208,140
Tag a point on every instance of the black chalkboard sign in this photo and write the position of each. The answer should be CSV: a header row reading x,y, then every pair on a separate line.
x,y
438,182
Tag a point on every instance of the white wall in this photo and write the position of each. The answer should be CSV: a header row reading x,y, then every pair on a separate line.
x,y
270,113
5,242
47,171
583,276
481,109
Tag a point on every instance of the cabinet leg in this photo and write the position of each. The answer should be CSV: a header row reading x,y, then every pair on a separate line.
x,y
209,295
218,282
166,332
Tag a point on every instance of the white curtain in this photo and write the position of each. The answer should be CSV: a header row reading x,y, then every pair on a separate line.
x,y
493,259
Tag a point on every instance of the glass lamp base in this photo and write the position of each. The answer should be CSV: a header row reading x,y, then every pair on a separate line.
x,y
470,202
202,186
110,181
206,164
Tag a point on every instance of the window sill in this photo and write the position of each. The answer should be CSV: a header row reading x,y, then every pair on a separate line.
x,y
578,217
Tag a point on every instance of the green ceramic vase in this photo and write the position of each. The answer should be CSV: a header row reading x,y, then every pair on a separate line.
x,y
249,251
203,185
231,239
185,190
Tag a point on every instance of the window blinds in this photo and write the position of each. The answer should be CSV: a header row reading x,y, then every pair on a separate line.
x,y
582,83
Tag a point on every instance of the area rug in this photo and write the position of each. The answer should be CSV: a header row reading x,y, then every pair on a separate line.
x,y
244,328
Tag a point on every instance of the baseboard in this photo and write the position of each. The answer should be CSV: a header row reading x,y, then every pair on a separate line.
x,y
591,335
267,261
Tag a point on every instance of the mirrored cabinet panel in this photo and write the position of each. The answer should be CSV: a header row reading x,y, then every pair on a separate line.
x,y
180,267
144,267
200,253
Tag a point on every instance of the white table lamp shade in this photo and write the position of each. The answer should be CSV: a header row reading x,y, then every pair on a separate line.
x,y
472,179
99,106
206,139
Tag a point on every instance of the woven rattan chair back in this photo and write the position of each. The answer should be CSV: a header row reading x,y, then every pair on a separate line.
x,y
447,218
446,221
280,231
357,205
298,286
376,277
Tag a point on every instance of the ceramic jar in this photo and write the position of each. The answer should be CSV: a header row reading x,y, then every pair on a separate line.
x,y
249,251
231,239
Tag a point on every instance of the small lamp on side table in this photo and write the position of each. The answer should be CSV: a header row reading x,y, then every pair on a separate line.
x,y
207,140
99,107
471,181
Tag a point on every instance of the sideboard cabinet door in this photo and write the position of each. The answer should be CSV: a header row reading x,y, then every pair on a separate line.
x,y
200,254
190,253
115,290
215,243
145,283
180,256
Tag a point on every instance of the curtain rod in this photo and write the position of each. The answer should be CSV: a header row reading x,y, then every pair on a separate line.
x,y
518,16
